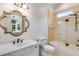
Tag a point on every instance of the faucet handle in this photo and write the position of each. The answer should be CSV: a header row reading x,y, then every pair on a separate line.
x,y
21,41
13,42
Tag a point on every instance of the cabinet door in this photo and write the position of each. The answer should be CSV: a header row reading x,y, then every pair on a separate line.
x,y
32,51
29,51
17,53
35,50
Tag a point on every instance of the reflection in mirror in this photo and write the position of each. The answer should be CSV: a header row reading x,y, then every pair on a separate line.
x,y
14,23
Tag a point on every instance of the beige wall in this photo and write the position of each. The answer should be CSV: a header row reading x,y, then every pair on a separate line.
x,y
76,8
66,6
52,32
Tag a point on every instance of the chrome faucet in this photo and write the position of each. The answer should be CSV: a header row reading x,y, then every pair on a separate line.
x,y
13,42
17,41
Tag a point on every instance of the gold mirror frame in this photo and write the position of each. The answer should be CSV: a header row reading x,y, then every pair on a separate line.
x,y
23,18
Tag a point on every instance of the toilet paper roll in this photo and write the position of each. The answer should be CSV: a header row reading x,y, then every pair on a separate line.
x,y
49,49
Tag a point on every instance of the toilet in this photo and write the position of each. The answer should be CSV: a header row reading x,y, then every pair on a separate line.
x,y
44,48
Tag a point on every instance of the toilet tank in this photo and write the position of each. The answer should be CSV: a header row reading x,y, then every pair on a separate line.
x,y
42,41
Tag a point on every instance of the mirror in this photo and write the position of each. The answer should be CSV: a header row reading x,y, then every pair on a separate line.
x,y
14,23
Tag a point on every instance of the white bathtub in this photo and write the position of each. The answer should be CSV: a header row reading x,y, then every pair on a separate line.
x,y
62,49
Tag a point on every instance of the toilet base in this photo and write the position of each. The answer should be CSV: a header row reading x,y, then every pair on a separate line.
x,y
48,50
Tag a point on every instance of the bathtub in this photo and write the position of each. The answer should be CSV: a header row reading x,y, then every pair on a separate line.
x,y
63,50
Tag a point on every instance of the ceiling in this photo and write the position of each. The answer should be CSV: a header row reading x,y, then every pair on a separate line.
x,y
53,5
57,7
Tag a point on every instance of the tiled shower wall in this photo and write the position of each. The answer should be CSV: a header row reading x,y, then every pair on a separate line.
x,y
38,23
67,30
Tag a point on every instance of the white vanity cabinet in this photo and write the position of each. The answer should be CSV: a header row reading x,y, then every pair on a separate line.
x,y
28,51
27,48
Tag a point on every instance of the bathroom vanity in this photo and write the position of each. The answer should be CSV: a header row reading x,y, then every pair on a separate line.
x,y
15,23
27,48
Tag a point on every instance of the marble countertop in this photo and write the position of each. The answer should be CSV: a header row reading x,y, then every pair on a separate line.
x,y
9,47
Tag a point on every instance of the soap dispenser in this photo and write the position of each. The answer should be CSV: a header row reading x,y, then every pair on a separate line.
x,y
13,25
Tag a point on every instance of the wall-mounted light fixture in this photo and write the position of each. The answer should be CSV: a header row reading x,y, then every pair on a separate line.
x,y
22,5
